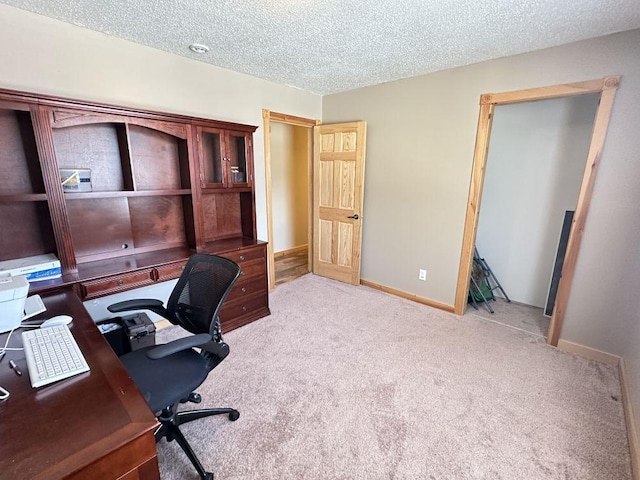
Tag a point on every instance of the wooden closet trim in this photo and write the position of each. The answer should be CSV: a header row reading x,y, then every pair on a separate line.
x,y
607,87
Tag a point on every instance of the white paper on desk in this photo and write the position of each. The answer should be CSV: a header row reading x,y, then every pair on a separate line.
x,y
33,306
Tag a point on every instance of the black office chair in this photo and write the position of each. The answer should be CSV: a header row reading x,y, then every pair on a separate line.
x,y
168,374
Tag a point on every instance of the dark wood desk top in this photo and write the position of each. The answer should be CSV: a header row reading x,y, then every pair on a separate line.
x,y
67,429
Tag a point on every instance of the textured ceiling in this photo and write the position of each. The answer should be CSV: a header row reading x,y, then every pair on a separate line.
x,y
328,46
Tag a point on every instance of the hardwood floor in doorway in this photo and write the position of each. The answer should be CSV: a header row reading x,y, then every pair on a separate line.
x,y
290,265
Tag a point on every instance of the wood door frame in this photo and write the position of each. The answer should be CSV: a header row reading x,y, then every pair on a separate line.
x,y
607,88
268,116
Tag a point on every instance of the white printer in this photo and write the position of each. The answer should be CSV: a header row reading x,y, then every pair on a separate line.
x,y
13,294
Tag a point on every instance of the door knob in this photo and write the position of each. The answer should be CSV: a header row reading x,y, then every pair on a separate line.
x,y
355,217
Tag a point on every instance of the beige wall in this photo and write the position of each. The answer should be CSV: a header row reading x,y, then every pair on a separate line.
x,y
419,156
41,55
290,149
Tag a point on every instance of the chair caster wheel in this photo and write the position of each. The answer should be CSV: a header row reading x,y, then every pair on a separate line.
x,y
193,398
233,416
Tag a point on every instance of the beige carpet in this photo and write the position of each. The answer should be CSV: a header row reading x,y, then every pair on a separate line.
x,y
344,382
514,315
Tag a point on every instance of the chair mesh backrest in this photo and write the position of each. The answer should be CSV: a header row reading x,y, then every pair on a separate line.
x,y
201,289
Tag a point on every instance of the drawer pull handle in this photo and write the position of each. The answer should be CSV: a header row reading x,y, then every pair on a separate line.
x,y
241,258
124,246
120,282
244,290
241,272
244,309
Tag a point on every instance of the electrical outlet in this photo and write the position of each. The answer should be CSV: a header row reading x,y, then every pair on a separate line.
x,y
422,275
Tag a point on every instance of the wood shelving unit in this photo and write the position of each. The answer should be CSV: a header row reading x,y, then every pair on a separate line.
x,y
163,187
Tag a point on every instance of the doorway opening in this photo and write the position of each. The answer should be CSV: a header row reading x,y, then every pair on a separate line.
x,y
288,167
606,89
534,170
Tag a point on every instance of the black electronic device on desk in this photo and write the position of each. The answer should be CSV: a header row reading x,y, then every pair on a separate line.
x,y
129,333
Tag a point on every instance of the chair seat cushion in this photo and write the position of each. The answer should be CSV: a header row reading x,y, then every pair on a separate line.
x,y
167,380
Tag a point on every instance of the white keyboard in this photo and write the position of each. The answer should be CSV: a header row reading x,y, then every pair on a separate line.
x,y
52,354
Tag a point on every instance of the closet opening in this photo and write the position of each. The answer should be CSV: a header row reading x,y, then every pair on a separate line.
x,y
605,90
535,165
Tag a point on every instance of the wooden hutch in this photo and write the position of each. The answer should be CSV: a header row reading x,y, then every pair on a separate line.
x,y
163,187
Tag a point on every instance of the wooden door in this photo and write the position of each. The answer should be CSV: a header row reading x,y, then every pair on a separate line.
x,y
338,185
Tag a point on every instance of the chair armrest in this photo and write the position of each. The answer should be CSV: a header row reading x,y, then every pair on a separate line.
x,y
219,349
178,345
139,304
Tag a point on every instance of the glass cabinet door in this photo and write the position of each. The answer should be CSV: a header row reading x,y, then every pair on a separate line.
x,y
212,157
238,158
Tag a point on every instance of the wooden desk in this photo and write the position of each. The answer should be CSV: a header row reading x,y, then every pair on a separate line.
x,y
95,425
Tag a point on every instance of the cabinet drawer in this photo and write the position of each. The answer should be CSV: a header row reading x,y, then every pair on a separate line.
x,y
116,283
246,287
242,306
169,272
246,255
251,269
